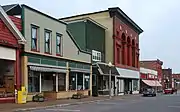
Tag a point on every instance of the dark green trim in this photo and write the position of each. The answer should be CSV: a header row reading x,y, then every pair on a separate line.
x,y
22,22
25,6
72,38
58,58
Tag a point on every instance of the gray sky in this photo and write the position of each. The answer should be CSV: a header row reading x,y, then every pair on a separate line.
x,y
160,20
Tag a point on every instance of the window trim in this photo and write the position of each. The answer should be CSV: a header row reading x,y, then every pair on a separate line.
x,y
37,37
61,44
50,46
96,56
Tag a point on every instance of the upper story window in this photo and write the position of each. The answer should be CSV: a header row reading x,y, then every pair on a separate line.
x,y
96,55
47,41
58,44
34,38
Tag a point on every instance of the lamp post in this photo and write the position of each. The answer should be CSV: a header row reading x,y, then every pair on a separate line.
x,y
110,65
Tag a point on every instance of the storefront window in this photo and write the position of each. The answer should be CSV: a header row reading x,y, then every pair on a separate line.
x,y
62,82
135,85
72,81
33,81
79,81
48,82
86,81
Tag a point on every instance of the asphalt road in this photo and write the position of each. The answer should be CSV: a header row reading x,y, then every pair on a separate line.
x,y
161,103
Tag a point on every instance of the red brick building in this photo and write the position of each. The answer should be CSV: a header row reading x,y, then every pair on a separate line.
x,y
176,80
154,65
11,42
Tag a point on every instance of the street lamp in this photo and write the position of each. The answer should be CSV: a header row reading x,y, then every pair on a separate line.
x,y
110,65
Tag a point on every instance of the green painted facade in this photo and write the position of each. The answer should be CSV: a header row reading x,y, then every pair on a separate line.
x,y
89,36
40,59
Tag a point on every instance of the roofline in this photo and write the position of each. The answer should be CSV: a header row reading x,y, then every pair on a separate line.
x,y
12,27
23,5
84,19
117,9
83,14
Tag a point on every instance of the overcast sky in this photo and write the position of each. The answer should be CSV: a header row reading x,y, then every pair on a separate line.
x,y
160,20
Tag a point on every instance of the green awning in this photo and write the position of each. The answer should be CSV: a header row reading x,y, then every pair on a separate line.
x,y
47,69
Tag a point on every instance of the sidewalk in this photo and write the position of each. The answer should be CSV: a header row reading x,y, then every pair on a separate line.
x,y
8,107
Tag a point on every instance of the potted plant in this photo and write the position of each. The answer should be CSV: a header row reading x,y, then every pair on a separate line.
x,y
38,98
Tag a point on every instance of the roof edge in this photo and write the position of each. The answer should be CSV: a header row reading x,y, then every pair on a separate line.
x,y
35,10
117,9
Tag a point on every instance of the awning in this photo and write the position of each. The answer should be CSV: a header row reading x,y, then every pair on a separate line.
x,y
152,83
47,69
104,69
126,73
80,70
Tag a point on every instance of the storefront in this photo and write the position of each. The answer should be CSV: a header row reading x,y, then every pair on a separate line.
x,y
11,42
56,78
101,72
127,81
149,79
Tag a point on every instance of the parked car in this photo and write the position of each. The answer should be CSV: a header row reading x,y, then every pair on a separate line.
x,y
168,91
149,92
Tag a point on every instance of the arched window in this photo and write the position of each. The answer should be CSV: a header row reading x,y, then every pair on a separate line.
x,y
133,53
123,48
128,51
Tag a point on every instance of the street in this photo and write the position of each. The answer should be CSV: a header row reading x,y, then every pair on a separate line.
x,y
161,103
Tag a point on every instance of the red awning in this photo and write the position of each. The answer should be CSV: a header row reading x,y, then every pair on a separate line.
x,y
152,83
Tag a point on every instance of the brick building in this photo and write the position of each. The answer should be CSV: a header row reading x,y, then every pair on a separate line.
x,y
167,78
176,80
154,65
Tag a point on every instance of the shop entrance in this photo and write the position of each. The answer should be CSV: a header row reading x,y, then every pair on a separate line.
x,y
7,79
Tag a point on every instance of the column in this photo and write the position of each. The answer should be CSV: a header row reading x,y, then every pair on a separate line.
x,y
17,70
57,82
125,54
90,80
130,55
67,76
40,83
24,71
83,81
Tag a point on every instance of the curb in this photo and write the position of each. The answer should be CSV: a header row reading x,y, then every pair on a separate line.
x,y
59,105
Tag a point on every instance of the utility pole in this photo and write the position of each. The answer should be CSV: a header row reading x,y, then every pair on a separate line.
x,y
110,65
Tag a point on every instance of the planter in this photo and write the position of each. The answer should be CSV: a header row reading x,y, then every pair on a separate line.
x,y
38,98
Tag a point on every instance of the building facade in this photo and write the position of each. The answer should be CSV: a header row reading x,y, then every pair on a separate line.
x,y
167,78
53,64
154,65
176,81
11,44
121,46
149,79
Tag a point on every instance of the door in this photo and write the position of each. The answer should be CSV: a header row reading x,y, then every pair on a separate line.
x,y
112,88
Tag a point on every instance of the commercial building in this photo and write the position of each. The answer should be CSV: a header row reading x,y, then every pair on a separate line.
x,y
121,47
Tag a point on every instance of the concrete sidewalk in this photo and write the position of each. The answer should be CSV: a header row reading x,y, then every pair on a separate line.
x,y
52,103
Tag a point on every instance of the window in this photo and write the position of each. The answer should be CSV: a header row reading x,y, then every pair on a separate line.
x,y
86,81
33,81
47,41
135,85
62,82
118,55
58,44
96,56
79,81
34,38
72,81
